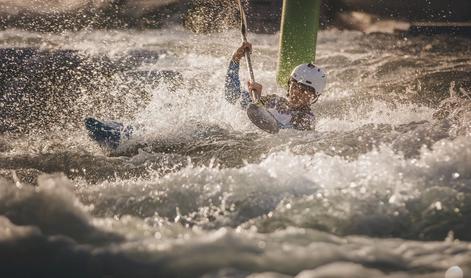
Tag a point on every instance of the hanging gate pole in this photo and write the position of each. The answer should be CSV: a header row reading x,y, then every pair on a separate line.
x,y
298,36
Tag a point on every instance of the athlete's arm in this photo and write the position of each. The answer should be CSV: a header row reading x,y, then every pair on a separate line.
x,y
232,90
232,83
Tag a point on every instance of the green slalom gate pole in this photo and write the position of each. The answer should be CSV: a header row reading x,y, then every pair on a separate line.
x,y
298,38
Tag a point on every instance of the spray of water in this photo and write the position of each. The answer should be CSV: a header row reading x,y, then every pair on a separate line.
x,y
199,188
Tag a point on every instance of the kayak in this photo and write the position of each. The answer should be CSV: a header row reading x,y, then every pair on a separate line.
x,y
108,134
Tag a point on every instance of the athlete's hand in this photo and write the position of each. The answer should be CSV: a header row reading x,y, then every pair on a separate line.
x,y
255,90
240,52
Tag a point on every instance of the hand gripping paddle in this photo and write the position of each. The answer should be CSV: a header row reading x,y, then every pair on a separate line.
x,y
256,111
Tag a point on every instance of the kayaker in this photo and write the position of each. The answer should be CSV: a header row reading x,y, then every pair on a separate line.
x,y
306,84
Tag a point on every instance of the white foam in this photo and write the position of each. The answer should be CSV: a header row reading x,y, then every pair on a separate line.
x,y
377,112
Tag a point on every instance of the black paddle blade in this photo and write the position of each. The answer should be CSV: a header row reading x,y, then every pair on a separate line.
x,y
263,119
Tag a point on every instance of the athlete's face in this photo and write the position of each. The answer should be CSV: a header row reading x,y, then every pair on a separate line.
x,y
301,95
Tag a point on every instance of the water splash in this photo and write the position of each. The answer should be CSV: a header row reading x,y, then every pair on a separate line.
x,y
200,187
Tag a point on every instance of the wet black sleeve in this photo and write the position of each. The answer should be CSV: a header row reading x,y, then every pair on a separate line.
x,y
304,121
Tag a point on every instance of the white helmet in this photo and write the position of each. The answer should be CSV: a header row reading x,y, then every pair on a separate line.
x,y
310,75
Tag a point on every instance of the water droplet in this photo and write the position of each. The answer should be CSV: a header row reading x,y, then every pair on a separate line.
x,y
454,272
261,244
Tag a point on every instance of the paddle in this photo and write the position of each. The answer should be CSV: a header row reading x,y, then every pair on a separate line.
x,y
256,111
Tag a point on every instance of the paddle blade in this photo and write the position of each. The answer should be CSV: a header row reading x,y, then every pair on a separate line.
x,y
263,119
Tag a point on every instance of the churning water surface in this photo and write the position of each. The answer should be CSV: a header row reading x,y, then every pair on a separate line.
x,y
381,188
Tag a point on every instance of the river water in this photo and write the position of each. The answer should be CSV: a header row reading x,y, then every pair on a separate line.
x,y
381,188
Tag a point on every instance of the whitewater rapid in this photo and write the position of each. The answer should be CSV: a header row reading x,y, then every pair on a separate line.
x,y
381,188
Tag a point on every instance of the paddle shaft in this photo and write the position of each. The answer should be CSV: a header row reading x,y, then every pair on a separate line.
x,y
256,112
243,30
